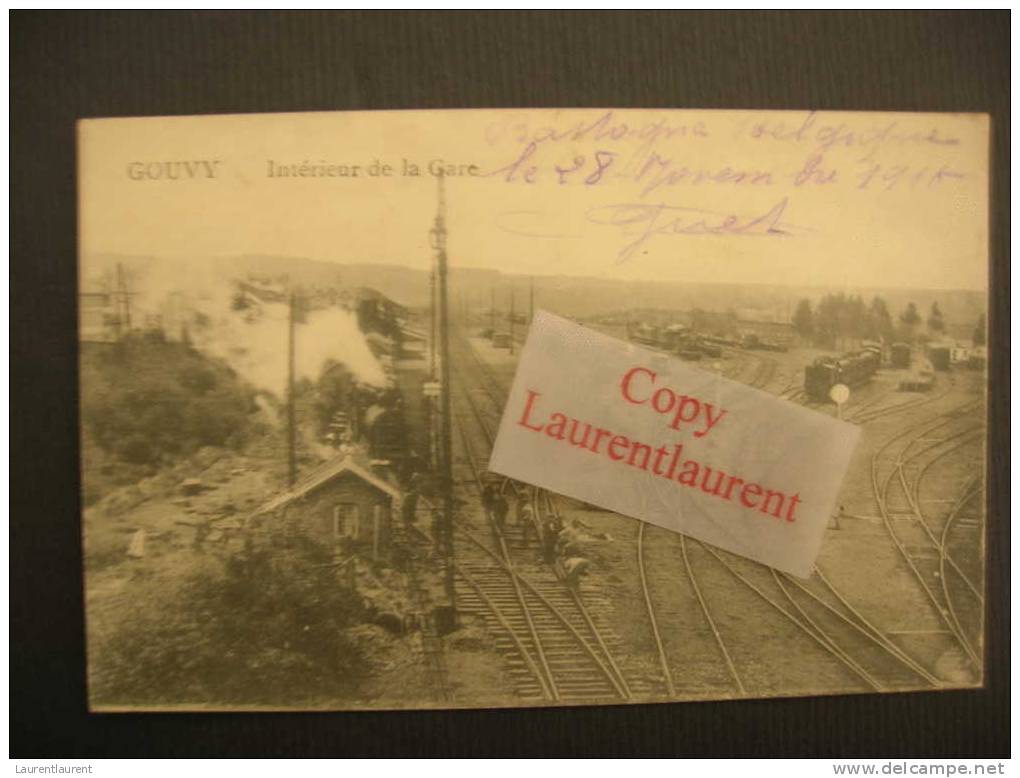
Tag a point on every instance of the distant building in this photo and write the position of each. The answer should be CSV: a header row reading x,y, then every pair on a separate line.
x,y
762,315
720,323
766,329
104,310
959,353
341,505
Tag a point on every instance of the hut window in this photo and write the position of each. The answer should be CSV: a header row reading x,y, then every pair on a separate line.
x,y
345,520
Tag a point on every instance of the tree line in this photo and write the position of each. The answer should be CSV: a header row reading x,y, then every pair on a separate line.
x,y
840,318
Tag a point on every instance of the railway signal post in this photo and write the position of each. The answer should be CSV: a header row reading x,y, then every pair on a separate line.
x,y
291,413
511,321
438,235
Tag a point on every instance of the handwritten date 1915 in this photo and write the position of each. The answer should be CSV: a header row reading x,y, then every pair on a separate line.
x,y
644,221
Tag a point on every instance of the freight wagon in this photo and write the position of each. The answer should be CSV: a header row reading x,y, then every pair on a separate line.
x,y
939,356
900,355
850,369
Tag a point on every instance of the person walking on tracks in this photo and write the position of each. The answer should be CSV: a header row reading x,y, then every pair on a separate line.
x,y
488,496
527,522
409,507
550,536
521,500
499,509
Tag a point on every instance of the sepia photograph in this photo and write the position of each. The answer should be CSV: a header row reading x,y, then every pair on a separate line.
x,y
298,342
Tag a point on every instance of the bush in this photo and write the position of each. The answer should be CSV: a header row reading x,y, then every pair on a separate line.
x,y
264,628
147,401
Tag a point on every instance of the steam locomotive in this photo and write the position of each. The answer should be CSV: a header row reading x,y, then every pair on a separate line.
x,y
850,369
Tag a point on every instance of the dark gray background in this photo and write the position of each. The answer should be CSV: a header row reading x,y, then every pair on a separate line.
x,y
65,66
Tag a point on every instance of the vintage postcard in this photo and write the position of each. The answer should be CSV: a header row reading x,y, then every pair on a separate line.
x,y
499,408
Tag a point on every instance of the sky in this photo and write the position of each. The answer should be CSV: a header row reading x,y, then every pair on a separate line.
x,y
828,199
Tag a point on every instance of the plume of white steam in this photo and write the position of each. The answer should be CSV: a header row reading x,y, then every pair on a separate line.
x,y
254,340
256,346
333,333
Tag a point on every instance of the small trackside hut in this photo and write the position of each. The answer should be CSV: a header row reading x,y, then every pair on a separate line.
x,y
342,505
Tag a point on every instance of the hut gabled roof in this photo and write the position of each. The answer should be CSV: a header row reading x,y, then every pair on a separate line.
x,y
324,474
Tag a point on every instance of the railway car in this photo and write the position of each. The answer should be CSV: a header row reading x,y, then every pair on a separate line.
x,y
501,340
709,349
850,369
774,345
877,346
750,341
681,343
673,336
720,341
920,381
939,356
647,335
900,355
875,350
695,344
978,358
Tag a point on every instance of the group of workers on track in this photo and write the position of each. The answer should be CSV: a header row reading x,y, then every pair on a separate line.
x,y
559,544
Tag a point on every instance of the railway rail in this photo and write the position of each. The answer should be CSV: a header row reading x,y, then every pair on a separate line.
x,y
863,414
816,608
925,552
558,652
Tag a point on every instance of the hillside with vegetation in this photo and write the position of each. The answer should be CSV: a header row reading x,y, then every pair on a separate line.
x,y
151,402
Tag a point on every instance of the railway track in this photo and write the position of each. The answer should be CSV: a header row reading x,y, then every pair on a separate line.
x,y
879,660
970,622
731,678
869,659
846,625
921,544
866,413
781,601
851,645
815,609
764,373
554,648
843,657
667,672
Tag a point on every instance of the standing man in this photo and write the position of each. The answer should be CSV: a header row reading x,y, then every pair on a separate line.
x,y
500,507
550,536
488,495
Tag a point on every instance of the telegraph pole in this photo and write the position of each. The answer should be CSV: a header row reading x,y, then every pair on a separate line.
x,y
125,298
432,323
445,433
492,312
121,304
291,417
511,321
430,398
